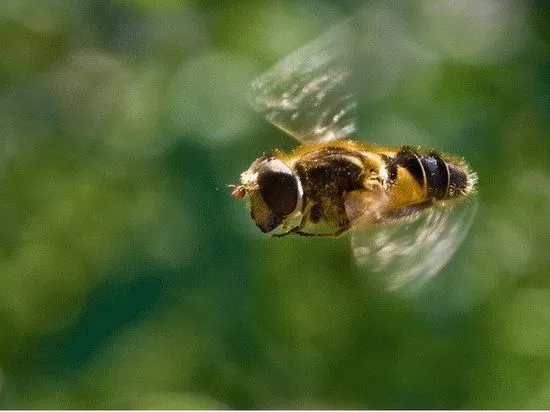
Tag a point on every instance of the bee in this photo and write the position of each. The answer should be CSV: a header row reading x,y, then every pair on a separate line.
x,y
408,209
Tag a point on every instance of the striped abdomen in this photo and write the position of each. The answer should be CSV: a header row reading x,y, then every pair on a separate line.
x,y
436,177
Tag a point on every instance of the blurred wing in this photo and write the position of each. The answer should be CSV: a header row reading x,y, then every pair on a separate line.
x,y
309,94
406,254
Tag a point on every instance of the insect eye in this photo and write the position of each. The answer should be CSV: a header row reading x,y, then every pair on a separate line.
x,y
279,191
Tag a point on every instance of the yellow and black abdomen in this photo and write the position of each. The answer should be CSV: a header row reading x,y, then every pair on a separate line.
x,y
417,177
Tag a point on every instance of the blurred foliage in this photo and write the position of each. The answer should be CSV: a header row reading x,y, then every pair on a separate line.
x,y
131,279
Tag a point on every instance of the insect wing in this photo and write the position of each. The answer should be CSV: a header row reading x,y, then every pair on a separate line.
x,y
406,254
309,94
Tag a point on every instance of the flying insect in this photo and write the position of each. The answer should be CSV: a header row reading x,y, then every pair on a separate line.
x,y
407,208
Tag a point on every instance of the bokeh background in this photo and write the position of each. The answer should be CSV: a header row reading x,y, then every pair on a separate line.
x,y
129,278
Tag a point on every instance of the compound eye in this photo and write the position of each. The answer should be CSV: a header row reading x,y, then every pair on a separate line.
x,y
279,190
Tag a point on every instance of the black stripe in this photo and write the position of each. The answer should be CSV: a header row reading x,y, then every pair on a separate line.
x,y
437,175
409,160
391,167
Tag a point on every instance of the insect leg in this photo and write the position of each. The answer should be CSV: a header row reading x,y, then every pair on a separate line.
x,y
297,229
339,232
344,227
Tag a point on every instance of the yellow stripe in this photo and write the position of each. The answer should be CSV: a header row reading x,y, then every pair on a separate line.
x,y
406,190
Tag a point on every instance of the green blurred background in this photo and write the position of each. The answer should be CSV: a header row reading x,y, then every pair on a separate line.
x,y
129,278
